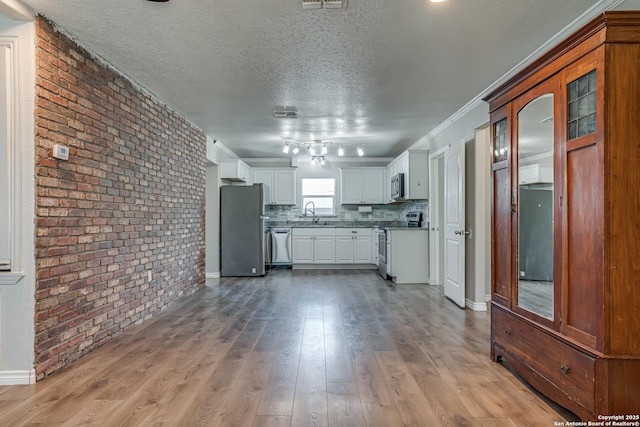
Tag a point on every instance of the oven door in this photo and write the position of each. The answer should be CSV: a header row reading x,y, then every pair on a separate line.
x,y
382,253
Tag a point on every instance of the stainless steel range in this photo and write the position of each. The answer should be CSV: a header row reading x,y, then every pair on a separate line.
x,y
413,220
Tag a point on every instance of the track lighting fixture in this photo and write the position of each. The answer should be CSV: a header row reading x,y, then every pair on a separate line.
x,y
318,149
315,159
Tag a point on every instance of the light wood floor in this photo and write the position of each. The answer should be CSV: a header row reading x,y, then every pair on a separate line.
x,y
297,348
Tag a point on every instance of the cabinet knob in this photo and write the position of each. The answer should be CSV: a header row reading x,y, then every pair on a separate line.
x,y
564,368
506,331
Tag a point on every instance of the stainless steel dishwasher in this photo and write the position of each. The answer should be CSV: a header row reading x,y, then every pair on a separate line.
x,y
281,246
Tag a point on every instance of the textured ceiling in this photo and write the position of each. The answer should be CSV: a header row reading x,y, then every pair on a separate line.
x,y
381,73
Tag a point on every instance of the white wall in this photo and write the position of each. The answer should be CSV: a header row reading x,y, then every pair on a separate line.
x,y
215,155
17,301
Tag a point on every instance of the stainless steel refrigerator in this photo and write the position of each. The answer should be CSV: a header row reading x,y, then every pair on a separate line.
x,y
242,230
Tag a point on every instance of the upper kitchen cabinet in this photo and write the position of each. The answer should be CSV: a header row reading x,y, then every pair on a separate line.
x,y
414,164
362,185
281,183
565,228
235,171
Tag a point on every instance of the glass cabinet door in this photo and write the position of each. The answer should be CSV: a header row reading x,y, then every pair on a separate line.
x,y
535,270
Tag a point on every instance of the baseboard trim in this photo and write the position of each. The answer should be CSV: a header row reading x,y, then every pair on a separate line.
x,y
17,377
334,267
475,306
215,275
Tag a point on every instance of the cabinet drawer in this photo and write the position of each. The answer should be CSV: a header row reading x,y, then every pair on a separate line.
x,y
353,232
571,370
314,231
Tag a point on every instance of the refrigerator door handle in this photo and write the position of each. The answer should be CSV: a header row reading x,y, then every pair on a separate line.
x,y
264,217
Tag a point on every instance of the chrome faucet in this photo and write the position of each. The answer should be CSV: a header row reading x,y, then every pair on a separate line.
x,y
313,212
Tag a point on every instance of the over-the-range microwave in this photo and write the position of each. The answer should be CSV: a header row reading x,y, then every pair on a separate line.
x,y
397,187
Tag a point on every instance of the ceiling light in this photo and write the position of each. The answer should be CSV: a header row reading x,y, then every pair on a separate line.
x,y
322,161
438,1
324,149
285,149
341,151
360,151
313,161
312,150
296,149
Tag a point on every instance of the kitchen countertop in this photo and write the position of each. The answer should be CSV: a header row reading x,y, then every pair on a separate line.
x,y
388,225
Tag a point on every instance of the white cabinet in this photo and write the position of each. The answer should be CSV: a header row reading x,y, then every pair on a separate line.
x,y
235,171
535,174
281,183
353,246
314,245
408,255
362,186
414,165
302,249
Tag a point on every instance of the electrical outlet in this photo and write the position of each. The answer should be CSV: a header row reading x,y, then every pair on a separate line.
x,y
253,271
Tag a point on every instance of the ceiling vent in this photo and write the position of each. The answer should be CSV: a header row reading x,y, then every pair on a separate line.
x,y
332,4
285,113
327,4
311,4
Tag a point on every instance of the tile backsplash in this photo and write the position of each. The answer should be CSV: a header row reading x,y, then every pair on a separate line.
x,y
350,213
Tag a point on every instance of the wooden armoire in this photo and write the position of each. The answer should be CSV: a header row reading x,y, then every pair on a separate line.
x,y
565,308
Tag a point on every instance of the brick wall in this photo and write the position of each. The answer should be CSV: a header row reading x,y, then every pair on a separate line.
x,y
129,200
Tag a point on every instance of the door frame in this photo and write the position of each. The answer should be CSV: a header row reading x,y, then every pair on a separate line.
x,y
436,236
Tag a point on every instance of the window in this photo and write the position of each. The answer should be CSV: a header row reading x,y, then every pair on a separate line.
x,y
320,192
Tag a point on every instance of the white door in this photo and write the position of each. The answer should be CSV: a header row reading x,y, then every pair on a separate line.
x,y
454,231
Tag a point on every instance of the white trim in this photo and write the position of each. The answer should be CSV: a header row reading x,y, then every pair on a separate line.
x,y
13,148
10,278
475,306
18,377
214,275
487,297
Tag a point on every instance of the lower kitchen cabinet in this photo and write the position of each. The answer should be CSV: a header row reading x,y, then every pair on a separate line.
x,y
408,255
332,246
353,246
314,245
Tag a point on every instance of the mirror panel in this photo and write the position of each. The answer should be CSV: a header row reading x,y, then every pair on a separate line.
x,y
535,206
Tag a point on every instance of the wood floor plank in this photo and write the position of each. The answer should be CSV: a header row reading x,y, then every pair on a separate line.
x,y
295,348
344,405
310,401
